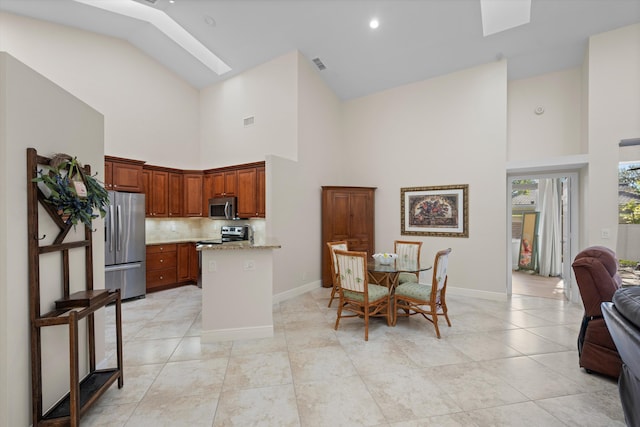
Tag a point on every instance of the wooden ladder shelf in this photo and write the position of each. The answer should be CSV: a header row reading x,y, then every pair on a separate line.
x,y
69,310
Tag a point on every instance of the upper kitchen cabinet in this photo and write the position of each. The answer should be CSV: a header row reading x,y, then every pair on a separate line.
x,y
221,182
193,189
251,191
123,174
225,183
156,189
175,194
347,214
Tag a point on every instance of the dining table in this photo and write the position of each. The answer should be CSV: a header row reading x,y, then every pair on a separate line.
x,y
387,274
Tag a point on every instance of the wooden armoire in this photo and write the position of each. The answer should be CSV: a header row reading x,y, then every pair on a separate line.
x,y
347,214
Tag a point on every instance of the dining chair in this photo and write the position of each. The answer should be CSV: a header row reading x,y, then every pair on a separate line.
x,y
357,295
344,246
428,300
408,253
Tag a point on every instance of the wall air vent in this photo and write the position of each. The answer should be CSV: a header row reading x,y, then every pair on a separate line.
x,y
319,64
248,121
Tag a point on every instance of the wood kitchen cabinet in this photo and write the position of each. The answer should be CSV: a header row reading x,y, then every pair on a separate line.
x,y
251,192
163,188
123,174
162,262
347,214
192,203
221,182
225,183
188,266
171,265
175,194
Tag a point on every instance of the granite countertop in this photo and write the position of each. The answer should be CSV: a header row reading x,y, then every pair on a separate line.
x,y
240,246
177,240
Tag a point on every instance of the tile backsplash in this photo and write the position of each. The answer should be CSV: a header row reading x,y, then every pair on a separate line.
x,y
159,230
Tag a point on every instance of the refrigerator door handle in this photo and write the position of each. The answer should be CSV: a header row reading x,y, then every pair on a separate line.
x,y
111,228
120,267
119,232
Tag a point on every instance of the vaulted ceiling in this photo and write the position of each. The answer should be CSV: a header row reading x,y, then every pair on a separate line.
x,y
416,39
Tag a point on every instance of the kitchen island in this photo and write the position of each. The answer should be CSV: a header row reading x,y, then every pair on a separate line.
x,y
237,291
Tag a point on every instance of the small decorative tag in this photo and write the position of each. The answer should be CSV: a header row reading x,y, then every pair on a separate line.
x,y
81,189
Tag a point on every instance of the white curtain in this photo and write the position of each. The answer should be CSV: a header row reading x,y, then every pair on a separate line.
x,y
550,229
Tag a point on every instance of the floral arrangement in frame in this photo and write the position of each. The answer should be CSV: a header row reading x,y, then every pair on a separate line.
x,y
435,211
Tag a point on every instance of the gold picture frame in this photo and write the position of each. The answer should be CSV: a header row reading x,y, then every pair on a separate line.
x,y
435,211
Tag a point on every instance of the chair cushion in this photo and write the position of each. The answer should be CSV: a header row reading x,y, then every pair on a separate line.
x,y
417,291
407,277
375,293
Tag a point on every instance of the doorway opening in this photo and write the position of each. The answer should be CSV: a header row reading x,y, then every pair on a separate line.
x,y
540,232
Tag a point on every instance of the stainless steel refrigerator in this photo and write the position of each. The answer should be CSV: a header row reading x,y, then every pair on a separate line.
x,y
124,246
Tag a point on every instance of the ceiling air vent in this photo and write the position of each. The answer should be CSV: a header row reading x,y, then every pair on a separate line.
x,y
248,121
147,2
319,64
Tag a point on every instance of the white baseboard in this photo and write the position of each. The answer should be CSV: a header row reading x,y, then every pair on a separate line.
x,y
474,293
236,334
283,296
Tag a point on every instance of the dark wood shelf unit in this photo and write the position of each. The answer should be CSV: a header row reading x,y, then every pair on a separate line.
x,y
69,310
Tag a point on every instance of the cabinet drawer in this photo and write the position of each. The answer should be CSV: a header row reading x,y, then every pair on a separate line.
x,y
161,277
160,261
154,249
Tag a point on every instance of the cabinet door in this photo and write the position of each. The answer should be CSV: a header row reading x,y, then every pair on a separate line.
x,y
159,189
347,214
126,177
230,183
146,185
207,193
360,221
192,200
247,199
218,184
261,192
175,194
108,175
194,265
184,250
224,183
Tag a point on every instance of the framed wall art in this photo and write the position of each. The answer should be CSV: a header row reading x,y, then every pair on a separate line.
x,y
435,211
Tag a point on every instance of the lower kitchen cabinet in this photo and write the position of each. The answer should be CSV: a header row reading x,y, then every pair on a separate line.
x,y
171,265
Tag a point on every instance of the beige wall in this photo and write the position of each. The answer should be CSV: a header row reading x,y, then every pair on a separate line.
x,y
557,131
293,193
45,117
150,113
613,114
269,94
443,131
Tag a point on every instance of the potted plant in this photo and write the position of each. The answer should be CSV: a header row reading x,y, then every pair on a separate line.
x,y
73,193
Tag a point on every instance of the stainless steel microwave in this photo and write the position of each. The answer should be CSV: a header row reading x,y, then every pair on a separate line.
x,y
222,208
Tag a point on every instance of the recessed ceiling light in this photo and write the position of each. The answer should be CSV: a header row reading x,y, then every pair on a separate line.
x,y
172,1
373,24
168,26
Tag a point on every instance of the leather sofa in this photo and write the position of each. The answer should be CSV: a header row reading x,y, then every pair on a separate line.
x,y
596,272
623,319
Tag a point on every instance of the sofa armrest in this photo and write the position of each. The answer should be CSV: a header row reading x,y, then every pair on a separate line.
x,y
625,335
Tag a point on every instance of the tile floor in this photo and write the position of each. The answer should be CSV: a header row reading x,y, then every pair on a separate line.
x,y
500,364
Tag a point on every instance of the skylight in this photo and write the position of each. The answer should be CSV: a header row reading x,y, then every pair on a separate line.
x,y
501,15
168,26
